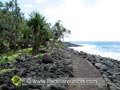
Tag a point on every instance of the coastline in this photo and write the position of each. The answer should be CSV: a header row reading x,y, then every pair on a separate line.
x,y
108,67
61,68
102,48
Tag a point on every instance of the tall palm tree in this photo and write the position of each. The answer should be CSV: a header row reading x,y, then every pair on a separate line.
x,y
37,23
60,31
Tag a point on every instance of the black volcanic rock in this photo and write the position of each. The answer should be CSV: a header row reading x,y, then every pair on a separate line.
x,y
109,68
57,65
4,87
68,44
42,51
47,59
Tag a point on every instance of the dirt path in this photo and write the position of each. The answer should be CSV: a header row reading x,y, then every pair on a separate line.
x,y
84,70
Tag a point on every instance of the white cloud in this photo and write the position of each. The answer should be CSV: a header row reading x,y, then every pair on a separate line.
x,y
28,5
97,21
40,1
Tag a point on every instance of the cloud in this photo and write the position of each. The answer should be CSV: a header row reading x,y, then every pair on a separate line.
x,y
89,3
40,1
98,22
28,5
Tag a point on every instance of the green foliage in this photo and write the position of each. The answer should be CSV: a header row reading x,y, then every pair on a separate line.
x,y
17,33
10,21
24,50
6,58
40,55
3,59
60,31
40,30
59,44
6,70
10,56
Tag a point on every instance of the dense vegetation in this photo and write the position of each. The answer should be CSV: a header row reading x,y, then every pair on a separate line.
x,y
17,32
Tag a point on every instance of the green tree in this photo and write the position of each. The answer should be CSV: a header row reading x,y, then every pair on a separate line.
x,y
38,27
10,20
60,31
25,35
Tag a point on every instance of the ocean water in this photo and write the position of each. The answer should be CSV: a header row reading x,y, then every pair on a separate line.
x,y
109,49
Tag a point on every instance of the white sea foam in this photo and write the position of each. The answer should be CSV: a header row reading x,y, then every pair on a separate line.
x,y
92,49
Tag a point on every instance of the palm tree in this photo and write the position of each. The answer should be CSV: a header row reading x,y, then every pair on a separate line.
x,y
60,31
25,37
37,24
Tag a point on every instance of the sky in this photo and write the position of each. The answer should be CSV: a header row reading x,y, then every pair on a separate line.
x,y
88,20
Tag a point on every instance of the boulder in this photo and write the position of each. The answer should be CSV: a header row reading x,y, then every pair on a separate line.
x,y
33,73
20,59
22,72
12,87
112,86
24,87
57,87
45,88
71,74
4,87
1,82
98,65
47,59
42,51
101,66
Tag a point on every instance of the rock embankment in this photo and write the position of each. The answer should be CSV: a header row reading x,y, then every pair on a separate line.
x,y
59,66
67,44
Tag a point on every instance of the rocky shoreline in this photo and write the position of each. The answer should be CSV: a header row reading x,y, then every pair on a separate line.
x,y
109,68
56,65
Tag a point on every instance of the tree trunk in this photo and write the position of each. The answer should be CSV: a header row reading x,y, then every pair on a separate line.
x,y
35,49
13,46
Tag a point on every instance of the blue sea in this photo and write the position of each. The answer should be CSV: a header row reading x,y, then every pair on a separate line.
x,y
109,49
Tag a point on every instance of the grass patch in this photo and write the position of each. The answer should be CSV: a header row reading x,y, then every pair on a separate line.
x,y
42,47
25,50
6,70
11,55
59,45
40,55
